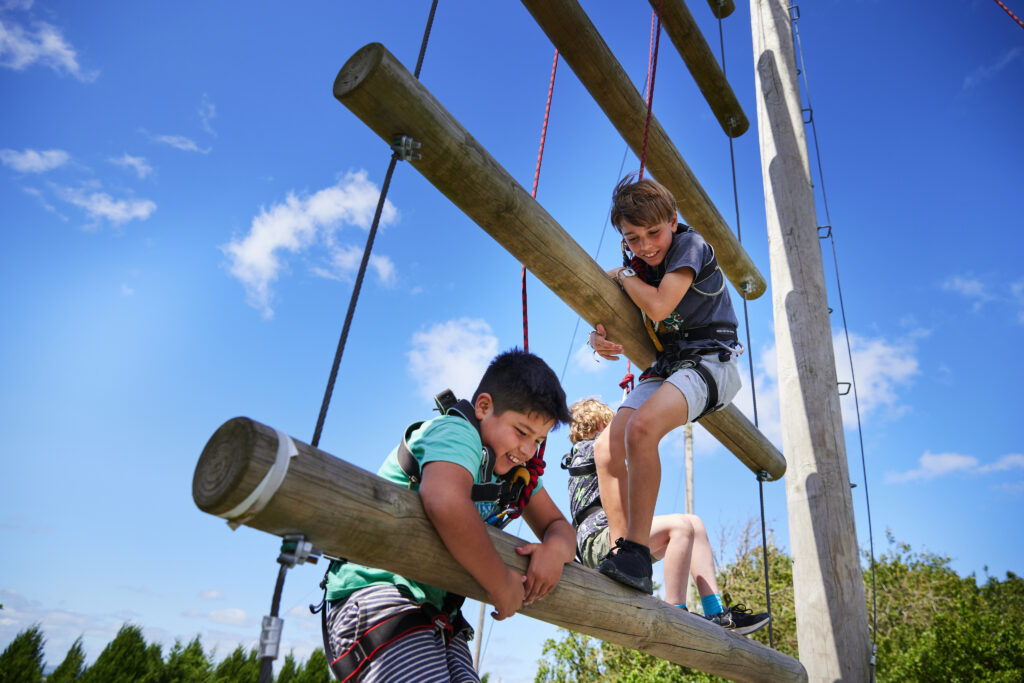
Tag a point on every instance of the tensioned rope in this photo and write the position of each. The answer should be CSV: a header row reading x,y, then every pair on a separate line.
x,y
395,157
1012,15
846,330
761,476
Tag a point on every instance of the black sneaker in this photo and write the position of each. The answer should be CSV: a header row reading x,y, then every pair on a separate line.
x,y
629,563
740,620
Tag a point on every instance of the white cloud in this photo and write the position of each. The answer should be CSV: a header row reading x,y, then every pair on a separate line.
x,y
34,161
586,360
296,225
21,47
211,594
233,616
38,194
344,263
137,164
970,288
987,72
100,205
1017,292
181,142
453,355
207,113
932,465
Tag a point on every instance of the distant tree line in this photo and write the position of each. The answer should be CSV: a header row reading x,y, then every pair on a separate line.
x,y
931,625
129,659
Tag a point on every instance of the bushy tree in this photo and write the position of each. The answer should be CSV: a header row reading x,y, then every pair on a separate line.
x,y
315,670
238,667
22,660
71,668
127,659
188,663
289,670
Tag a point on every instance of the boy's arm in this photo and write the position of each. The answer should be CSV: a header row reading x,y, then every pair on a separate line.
x,y
445,491
557,546
657,302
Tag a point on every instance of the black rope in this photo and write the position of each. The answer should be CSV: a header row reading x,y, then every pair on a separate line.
x,y
761,476
267,663
329,391
846,332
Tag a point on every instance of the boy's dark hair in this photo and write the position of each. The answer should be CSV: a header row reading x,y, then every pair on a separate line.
x,y
642,203
520,381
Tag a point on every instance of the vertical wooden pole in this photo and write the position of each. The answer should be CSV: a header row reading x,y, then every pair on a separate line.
x,y
831,615
691,587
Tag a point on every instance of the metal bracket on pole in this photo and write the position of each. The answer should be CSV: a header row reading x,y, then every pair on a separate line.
x,y
405,148
295,549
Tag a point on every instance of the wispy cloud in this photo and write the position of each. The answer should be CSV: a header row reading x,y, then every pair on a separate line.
x,y
1017,292
970,288
207,113
451,354
586,360
990,71
934,465
298,224
233,616
211,594
181,142
38,194
101,206
137,164
34,161
344,263
43,43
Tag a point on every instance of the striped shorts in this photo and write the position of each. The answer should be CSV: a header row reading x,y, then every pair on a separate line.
x,y
420,656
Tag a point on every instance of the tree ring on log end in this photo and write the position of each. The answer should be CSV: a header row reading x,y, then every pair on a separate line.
x,y
358,66
216,484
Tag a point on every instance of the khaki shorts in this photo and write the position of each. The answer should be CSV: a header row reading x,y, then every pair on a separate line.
x,y
595,547
692,386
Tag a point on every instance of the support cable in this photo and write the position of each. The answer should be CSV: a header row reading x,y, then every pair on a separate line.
x,y
762,475
328,392
652,70
846,332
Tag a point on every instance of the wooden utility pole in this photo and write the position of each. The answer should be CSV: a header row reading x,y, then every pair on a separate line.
x,y
831,615
380,91
351,513
691,587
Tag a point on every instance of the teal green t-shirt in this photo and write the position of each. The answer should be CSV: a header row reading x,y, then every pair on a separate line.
x,y
447,439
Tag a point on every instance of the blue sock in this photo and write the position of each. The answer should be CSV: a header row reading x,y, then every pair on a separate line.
x,y
682,607
712,604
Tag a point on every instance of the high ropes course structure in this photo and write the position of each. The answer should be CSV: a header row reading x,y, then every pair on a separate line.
x,y
252,474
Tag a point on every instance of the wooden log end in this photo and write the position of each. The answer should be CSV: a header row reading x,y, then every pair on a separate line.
x,y
358,66
736,125
223,464
722,8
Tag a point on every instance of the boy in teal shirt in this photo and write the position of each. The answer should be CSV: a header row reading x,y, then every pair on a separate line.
x,y
516,404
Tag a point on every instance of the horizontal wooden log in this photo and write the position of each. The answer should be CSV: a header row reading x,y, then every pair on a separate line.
x,y
382,92
349,512
577,40
722,8
693,48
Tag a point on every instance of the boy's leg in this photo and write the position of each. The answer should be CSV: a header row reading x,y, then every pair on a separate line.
x,y
612,477
664,411
702,564
672,540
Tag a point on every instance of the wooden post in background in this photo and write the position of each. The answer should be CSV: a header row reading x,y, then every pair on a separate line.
x,y
831,614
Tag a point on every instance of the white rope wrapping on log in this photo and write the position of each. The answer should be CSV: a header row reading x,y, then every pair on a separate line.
x,y
261,495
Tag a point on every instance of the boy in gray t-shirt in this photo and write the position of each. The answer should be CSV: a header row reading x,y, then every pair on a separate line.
x,y
674,279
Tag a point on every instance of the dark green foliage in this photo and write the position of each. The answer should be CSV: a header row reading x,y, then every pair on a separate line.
x,y
22,661
289,670
127,659
238,667
71,668
932,625
315,670
188,664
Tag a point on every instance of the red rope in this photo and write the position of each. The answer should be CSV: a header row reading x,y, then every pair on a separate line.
x,y
1015,17
653,70
536,181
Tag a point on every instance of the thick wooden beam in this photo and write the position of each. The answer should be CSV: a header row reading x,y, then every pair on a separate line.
x,y
578,41
382,92
693,48
349,512
831,614
722,8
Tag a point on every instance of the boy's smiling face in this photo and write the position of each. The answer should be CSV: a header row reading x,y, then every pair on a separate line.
x,y
649,243
513,436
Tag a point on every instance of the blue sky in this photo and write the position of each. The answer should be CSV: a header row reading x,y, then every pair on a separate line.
x,y
185,204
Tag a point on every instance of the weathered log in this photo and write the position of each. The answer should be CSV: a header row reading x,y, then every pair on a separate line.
x,y
381,92
831,614
722,8
571,31
693,48
349,512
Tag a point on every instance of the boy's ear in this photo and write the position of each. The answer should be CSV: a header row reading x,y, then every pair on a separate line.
x,y
483,405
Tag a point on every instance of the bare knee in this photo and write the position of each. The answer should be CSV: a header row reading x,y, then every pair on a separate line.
x,y
697,525
609,446
681,527
642,437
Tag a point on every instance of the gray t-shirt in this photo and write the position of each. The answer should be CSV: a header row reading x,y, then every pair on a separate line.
x,y
705,302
